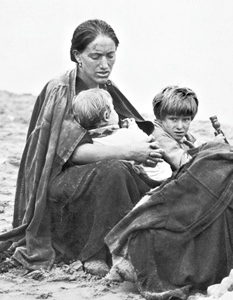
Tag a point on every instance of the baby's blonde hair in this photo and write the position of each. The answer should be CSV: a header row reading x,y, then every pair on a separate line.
x,y
89,107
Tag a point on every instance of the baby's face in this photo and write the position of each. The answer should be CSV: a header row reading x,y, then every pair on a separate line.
x,y
113,118
176,126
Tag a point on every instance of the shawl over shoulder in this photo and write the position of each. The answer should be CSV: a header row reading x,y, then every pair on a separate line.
x,y
53,135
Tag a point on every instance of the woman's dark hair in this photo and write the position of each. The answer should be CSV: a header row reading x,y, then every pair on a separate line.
x,y
86,33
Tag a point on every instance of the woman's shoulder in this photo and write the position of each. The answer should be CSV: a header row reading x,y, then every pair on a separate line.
x,y
64,79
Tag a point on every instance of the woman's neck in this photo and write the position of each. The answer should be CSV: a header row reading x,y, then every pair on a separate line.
x,y
88,83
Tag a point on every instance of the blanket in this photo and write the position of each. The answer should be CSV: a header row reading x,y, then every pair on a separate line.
x,y
181,239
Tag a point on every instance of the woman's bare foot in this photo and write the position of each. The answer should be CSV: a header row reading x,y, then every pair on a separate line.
x,y
96,267
113,275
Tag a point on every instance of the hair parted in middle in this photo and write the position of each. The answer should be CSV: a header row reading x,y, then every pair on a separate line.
x,y
87,32
175,100
90,105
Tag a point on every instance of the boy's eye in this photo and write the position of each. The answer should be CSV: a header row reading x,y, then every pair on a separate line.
x,y
187,119
173,119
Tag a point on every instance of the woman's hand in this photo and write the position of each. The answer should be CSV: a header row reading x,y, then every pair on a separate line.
x,y
155,156
145,151
148,153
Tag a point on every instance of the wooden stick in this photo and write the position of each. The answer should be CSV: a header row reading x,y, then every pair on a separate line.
x,y
217,126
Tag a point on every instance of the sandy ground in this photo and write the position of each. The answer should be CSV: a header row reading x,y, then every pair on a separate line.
x,y
63,282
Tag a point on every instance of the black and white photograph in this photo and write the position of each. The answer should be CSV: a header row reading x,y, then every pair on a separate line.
x,y
116,149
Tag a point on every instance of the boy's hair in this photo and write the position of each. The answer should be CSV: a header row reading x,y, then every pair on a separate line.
x,y
89,107
177,101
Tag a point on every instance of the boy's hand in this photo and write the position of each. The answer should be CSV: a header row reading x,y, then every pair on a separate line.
x,y
220,138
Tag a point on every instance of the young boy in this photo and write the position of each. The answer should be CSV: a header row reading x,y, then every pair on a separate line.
x,y
93,109
175,108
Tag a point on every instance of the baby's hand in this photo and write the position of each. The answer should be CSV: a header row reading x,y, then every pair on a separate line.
x,y
128,122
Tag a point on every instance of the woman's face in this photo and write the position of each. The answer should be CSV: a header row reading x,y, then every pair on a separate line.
x,y
97,61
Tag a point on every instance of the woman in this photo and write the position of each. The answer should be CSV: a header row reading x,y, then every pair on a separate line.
x,y
70,193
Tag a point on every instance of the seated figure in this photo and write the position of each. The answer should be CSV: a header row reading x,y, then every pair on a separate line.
x,y
175,108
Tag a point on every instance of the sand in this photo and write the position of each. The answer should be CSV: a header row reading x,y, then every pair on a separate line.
x,y
63,282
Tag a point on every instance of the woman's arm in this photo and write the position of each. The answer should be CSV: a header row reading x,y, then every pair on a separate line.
x,y
144,152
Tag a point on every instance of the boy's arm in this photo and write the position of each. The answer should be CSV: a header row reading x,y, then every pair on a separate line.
x,y
174,154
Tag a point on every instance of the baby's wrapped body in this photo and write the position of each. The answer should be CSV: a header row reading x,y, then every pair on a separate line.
x,y
128,133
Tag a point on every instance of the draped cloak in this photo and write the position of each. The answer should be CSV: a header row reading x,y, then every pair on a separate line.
x,y
53,135
181,239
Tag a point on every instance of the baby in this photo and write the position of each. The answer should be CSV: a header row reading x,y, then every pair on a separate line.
x,y
94,111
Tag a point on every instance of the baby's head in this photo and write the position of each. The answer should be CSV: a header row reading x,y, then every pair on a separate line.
x,y
94,108
175,107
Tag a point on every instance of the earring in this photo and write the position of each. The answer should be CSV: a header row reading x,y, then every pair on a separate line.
x,y
80,64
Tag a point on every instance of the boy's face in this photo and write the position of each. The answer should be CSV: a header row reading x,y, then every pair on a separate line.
x,y
176,126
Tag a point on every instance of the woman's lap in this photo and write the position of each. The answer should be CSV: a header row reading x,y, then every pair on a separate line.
x,y
87,201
